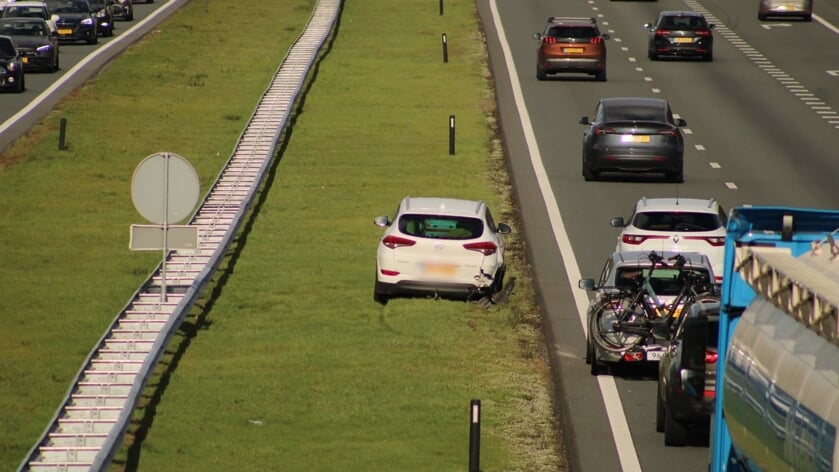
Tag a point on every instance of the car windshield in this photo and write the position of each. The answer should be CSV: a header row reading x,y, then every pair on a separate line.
x,y
441,226
664,281
681,221
572,32
22,29
70,7
12,11
683,23
635,113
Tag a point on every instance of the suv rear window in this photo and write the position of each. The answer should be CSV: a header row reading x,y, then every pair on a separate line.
x,y
581,32
441,226
682,222
683,23
664,281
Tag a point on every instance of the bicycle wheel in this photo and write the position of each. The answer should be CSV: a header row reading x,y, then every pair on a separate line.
x,y
606,334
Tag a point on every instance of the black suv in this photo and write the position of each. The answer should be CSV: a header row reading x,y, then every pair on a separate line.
x,y
687,374
571,45
680,34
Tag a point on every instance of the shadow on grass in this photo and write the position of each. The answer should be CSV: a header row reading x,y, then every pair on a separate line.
x,y
129,457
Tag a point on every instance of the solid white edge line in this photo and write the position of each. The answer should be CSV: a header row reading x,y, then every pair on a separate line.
x,y
614,409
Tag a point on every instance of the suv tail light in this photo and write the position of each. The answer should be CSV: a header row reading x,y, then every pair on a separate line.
x,y
705,33
662,32
484,247
711,357
638,238
394,242
548,39
670,132
715,241
596,40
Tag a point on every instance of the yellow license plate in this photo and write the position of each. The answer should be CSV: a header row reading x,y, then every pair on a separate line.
x,y
573,50
24,60
65,31
684,40
439,269
632,138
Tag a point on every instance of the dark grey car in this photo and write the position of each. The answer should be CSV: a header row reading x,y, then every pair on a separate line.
x,y
680,34
74,20
633,135
35,41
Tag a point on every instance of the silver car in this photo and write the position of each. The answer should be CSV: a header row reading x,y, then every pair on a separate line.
x,y
785,8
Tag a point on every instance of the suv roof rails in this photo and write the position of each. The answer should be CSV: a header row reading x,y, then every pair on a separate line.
x,y
577,18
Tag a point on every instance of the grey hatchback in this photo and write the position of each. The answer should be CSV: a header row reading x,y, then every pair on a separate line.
x,y
631,134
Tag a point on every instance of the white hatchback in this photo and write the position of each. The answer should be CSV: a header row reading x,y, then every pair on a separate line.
x,y
440,247
675,224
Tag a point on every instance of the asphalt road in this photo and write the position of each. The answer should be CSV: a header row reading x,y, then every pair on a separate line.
x,y
79,62
762,128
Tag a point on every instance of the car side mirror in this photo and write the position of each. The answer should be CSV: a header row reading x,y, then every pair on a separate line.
x,y
648,25
586,284
680,122
617,222
381,221
537,36
584,120
606,36
503,228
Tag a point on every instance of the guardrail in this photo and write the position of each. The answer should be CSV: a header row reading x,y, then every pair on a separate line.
x,y
88,428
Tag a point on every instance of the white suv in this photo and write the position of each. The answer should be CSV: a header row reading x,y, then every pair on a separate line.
x,y
439,247
675,224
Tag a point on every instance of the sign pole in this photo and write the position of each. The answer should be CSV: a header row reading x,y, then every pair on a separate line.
x,y
166,158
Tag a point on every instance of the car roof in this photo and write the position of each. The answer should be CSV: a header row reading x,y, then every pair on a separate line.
x,y
27,3
571,20
641,258
699,205
22,19
680,13
441,206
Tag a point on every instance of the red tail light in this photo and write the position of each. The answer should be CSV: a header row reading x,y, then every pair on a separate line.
x,y
596,40
705,33
715,241
633,356
662,33
394,242
548,40
638,238
484,247
711,357
602,131
671,132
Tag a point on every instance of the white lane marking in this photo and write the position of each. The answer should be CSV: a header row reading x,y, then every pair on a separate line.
x,y
627,454
699,147
715,165
731,185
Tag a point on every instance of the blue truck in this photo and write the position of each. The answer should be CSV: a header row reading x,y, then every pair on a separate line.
x,y
777,405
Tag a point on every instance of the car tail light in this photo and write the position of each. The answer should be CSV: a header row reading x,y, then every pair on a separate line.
x,y
671,132
711,357
394,242
715,241
603,130
662,33
705,33
548,40
484,247
596,40
638,238
633,356
391,273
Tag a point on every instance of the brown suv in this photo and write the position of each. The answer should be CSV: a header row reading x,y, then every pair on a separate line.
x,y
571,45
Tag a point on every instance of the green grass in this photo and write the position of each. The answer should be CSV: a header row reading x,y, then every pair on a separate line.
x,y
286,363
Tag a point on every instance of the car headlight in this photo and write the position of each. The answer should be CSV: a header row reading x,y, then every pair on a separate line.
x,y
12,66
45,49
88,21
100,14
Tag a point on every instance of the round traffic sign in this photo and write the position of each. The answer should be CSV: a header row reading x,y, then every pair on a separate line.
x,y
164,188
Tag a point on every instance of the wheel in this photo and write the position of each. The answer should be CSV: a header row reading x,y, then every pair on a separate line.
x,y
498,281
708,57
588,174
676,177
21,84
808,18
589,350
93,38
55,65
659,412
109,32
675,434
761,17
540,74
596,367
379,297
601,76
652,55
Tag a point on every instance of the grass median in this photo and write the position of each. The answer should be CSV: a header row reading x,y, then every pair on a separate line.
x,y
287,363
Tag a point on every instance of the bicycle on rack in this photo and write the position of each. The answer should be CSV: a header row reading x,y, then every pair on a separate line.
x,y
644,305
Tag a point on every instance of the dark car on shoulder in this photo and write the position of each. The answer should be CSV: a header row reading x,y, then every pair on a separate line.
x,y
75,21
680,34
35,41
687,375
11,66
103,10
